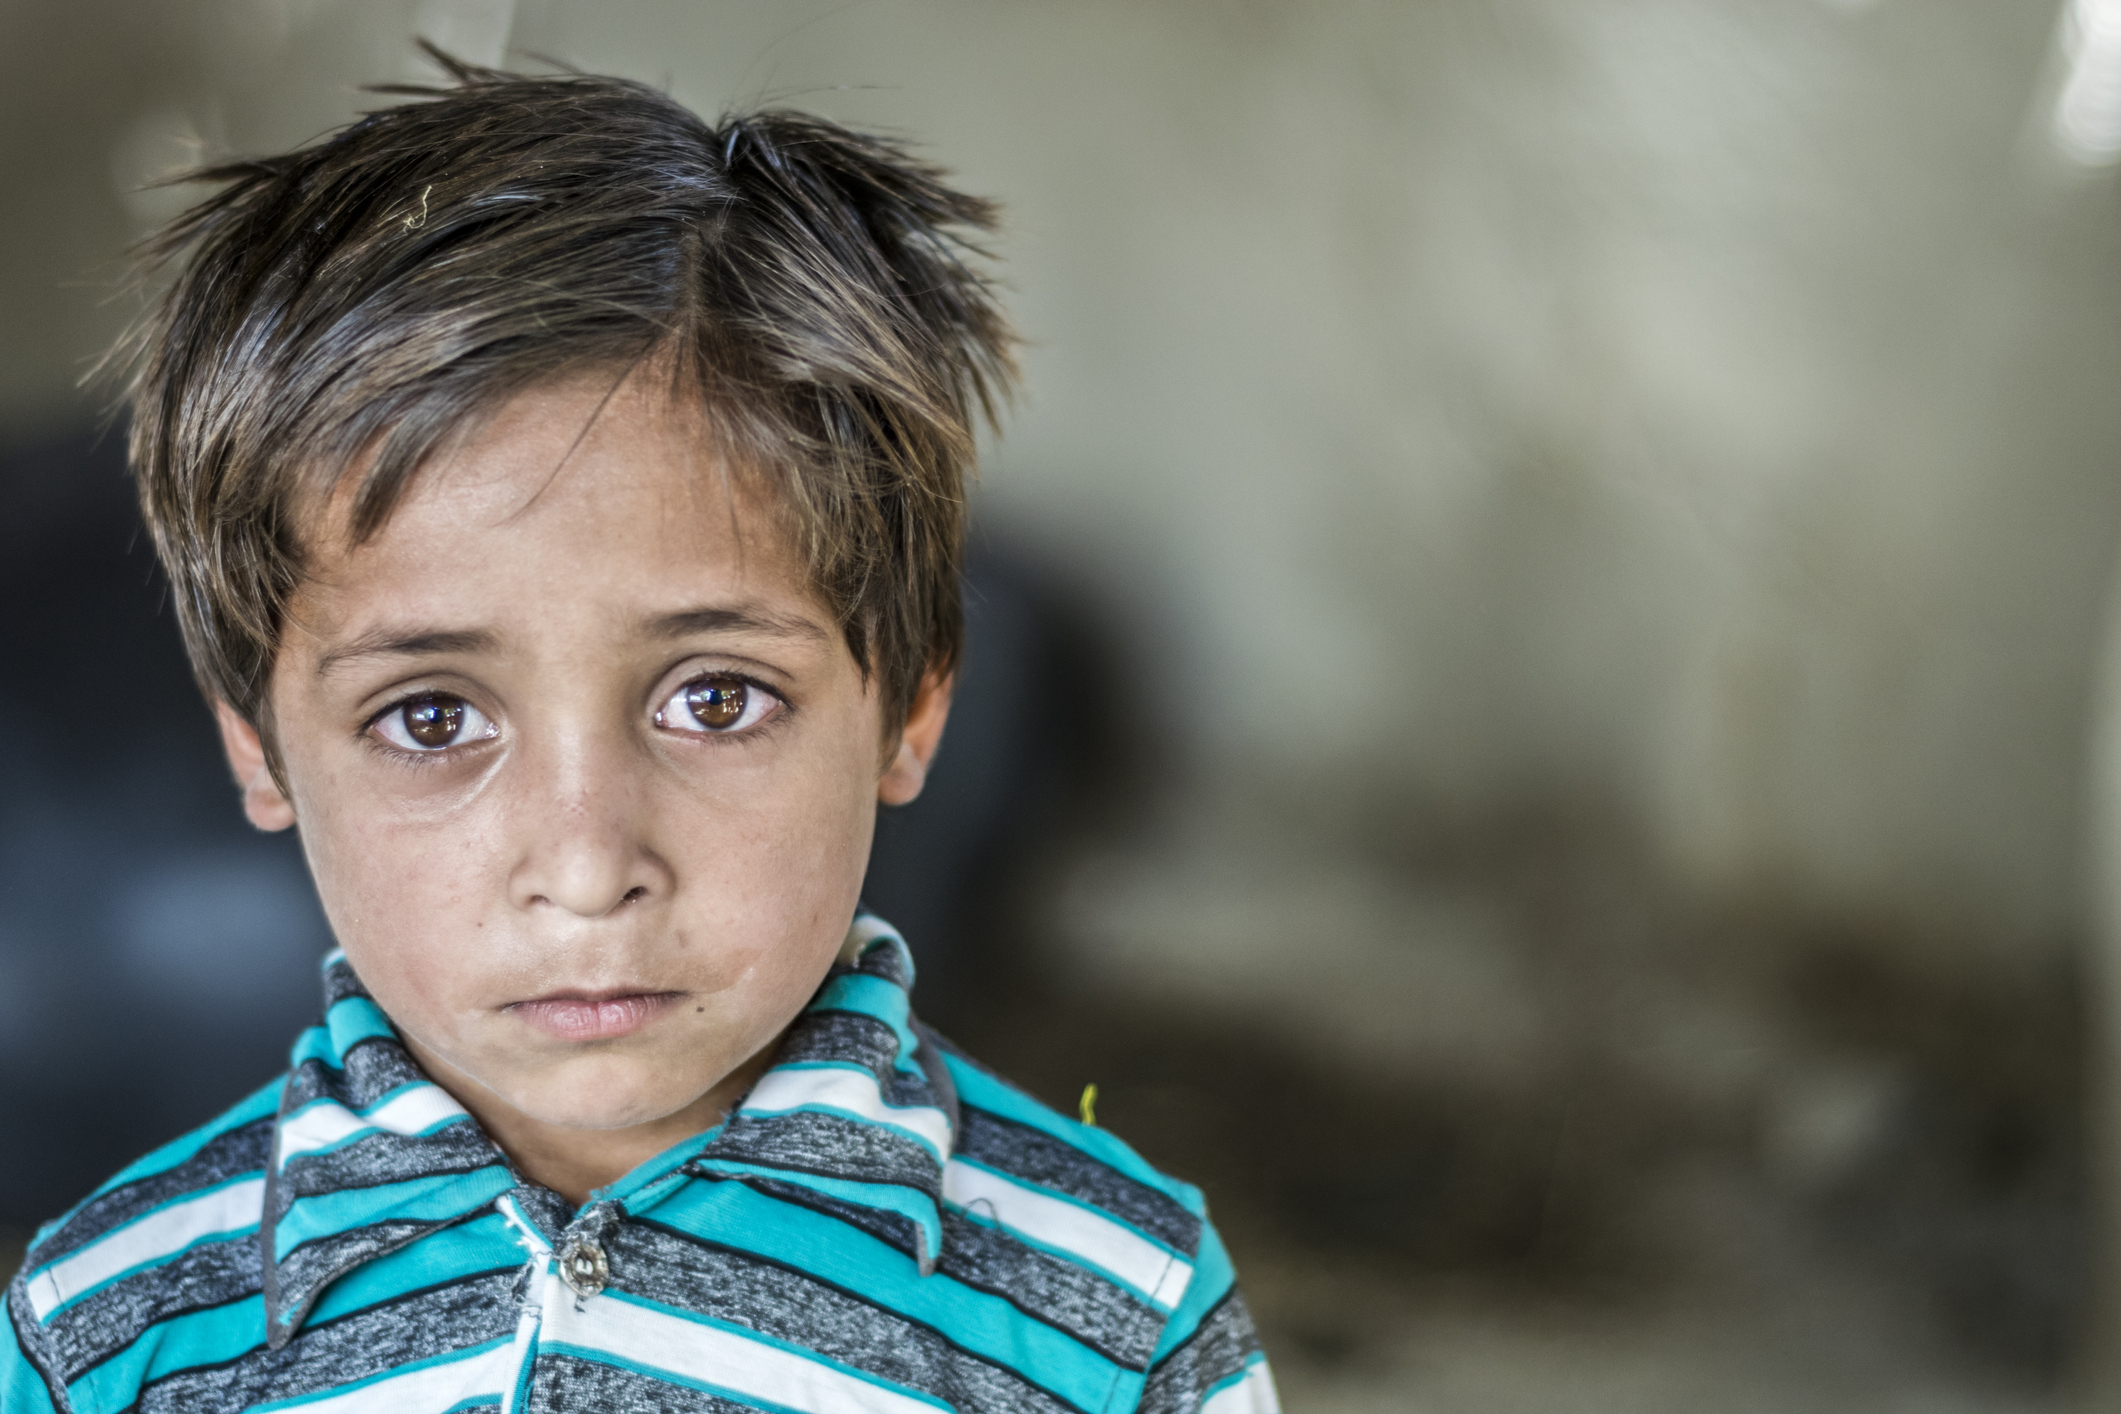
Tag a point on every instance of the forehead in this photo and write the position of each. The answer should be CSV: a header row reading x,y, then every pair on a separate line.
x,y
591,494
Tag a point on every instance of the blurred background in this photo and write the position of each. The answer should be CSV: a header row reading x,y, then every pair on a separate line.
x,y
1534,710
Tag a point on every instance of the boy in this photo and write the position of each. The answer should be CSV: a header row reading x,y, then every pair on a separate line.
x,y
563,500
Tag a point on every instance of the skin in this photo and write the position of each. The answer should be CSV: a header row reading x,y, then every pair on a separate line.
x,y
591,918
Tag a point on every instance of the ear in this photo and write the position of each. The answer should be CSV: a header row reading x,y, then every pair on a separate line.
x,y
917,740
267,808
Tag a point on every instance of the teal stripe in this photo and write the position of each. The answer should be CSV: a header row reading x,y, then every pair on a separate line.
x,y
452,1357
313,1044
872,996
837,1252
1213,1276
414,1200
891,1197
350,1021
644,1174
801,1352
453,1254
976,1087
259,1104
209,1337
22,1389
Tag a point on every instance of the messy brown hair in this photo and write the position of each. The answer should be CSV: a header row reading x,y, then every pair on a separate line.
x,y
356,303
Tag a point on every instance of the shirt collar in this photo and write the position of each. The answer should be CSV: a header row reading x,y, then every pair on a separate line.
x,y
369,1155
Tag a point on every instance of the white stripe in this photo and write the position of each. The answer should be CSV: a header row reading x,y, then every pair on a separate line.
x,y
854,1091
1056,1222
865,930
1254,1394
429,1388
156,1234
327,1122
749,1369
536,1298
526,1232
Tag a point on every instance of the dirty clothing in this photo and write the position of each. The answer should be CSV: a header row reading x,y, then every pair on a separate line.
x,y
881,1225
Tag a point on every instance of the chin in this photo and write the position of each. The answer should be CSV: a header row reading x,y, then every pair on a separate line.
x,y
600,1100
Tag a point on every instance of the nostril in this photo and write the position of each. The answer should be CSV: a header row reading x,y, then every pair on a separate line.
x,y
633,895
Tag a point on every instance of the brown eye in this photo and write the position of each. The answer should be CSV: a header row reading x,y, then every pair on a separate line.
x,y
433,722
717,703
722,705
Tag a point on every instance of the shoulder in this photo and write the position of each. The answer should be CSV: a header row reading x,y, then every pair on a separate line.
x,y
1081,1194
171,1233
1075,1191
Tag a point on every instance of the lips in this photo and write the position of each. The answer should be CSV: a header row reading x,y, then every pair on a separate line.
x,y
584,1017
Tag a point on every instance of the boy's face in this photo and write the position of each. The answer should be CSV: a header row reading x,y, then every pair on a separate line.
x,y
584,770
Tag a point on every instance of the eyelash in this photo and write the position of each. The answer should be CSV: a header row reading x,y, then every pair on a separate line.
x,y
371,729
778,708
374,733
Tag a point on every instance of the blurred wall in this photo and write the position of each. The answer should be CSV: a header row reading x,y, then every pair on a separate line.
x,y
1704,409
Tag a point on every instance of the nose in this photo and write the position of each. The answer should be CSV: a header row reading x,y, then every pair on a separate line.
x,y
586,844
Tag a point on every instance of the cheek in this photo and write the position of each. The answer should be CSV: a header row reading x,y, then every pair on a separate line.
x,y
402,896
757,869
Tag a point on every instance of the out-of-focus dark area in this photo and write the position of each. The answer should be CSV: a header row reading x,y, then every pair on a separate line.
x,y
1537,716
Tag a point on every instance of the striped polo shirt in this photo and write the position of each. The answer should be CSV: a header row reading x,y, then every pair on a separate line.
x,y
881,1225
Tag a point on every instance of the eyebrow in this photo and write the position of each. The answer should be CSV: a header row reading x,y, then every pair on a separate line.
x,y
684,623
395,643
687,622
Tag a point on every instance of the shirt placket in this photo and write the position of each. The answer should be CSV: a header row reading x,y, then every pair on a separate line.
x,y
573,1268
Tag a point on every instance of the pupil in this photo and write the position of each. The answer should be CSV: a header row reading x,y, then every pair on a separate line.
x,y
434,721
716,702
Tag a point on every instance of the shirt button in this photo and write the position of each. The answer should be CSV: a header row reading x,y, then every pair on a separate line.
x,y
584,1268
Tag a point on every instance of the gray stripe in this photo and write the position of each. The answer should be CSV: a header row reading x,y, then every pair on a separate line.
x,y
679,1270
1027,1153
29,1336
565,1383
887,963
381,1158
843,1036
840,1036
372,1069
349,1348
341,983
1215,1351
241,1150
93,1330
815,1143
1061,1294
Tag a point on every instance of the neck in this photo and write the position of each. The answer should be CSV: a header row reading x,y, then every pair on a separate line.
x,y
573,1161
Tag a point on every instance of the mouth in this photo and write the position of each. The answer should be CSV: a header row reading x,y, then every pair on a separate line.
x,y
592,1016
